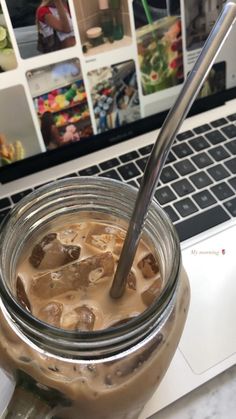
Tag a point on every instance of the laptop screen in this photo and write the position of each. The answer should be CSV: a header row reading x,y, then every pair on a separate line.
x,y
77,76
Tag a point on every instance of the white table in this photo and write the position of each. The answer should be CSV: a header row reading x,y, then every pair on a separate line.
x,y
215,399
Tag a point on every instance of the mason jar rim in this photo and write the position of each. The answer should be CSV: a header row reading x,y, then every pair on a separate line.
x,y
129,333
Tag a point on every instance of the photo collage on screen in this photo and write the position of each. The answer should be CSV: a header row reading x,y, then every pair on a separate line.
x,y
76,68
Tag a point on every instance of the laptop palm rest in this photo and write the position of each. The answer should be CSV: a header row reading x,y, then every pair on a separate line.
x,y
210,334
208,344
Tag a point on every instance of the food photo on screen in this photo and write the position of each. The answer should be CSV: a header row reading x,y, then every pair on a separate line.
x,y
159,44
7,54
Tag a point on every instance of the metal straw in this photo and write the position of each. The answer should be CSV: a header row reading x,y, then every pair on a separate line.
x,y
164,142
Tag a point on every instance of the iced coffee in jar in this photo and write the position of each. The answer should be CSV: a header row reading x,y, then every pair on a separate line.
x,y
73,351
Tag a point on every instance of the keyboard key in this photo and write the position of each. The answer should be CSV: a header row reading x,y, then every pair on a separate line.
x,y
202,128
185,207
185,135
222,191
138,180
112,174
168,174
219,122
231,206
132,155
128,171
231,146
201,222
109,164
182,150
172,214
204,199
215,137
182,187
201,180
202,160
232,182
170,158
133,183
164,195
184,167
218,172
146,150
229,131
43,184
4,203
219,153
199,143
69,175
232,117
89,171
18,196
142,163
231,165
3,214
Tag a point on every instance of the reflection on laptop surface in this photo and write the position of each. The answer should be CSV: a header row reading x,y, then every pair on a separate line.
x,y
95,109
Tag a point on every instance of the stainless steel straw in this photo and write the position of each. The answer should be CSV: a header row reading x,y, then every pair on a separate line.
x,y
164,141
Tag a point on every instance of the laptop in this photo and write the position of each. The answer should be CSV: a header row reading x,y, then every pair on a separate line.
x,y
95,105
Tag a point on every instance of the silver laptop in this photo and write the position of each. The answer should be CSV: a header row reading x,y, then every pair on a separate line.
x,y
94,107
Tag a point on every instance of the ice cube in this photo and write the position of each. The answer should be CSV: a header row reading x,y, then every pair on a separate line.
x,y
51,313
152,292
81,318
86,318
95,275
93,268
102,241
50,253
69,320
21,294
119,241
131,281
71,253
38,252
149,266
72,277
105,238
67,235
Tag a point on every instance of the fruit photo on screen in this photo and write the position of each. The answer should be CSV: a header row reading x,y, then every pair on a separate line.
x,y
7,54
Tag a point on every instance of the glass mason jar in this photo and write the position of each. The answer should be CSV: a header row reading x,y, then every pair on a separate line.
x,y
103,374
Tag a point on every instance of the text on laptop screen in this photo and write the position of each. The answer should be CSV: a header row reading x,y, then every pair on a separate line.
x,y
70,70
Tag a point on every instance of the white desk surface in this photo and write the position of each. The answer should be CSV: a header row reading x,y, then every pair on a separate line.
x,y
213,400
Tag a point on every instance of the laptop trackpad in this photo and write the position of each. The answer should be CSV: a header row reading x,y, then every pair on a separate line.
x,y
210,333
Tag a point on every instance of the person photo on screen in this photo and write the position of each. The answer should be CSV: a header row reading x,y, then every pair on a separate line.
x,y
51,134
55,28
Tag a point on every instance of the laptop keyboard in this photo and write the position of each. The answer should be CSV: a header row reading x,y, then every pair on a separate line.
x,y
197,186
